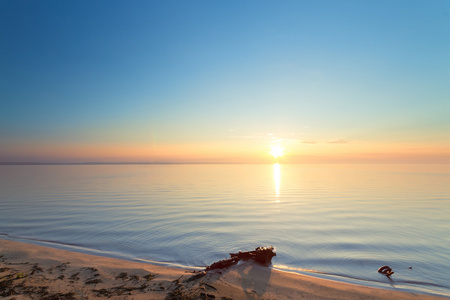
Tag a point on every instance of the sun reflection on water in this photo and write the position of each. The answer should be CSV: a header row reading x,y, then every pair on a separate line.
x,y
277,179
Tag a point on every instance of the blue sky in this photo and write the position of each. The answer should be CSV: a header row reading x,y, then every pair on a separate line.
x,y
222,81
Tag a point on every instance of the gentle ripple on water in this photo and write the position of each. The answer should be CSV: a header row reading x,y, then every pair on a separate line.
x,y
333,221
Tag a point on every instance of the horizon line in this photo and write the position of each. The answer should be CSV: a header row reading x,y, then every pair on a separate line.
x,y
216,163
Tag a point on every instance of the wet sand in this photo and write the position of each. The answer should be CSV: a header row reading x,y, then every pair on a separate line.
x,y
36,272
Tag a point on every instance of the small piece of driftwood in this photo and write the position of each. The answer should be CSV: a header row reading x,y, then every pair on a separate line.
x,y
262,255
386,270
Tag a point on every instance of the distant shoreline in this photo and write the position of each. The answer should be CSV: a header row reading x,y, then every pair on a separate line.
x,y
207,163
96,163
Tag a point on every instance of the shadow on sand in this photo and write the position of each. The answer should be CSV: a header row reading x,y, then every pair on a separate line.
x,y
254,278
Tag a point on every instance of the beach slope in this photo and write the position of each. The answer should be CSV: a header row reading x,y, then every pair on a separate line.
x,y
36,272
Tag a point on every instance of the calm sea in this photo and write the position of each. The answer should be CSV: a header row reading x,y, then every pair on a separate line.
x,y
339,222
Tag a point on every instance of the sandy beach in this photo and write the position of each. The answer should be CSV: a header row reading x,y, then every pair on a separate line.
x,y
36,272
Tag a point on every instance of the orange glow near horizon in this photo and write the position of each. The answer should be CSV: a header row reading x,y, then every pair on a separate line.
x,y
226,152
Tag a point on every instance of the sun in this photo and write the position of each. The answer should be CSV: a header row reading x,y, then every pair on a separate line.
x,y
277,151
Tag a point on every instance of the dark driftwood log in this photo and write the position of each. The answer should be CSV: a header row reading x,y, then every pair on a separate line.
x,y
386,270
262,255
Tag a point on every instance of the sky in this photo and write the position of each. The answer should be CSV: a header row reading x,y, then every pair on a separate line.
x,y
225,81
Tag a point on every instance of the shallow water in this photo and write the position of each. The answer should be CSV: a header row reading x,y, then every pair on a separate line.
x,y
333,221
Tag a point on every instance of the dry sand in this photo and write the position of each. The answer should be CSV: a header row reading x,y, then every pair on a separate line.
x,y
35,272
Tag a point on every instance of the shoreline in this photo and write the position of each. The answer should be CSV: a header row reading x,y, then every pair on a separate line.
x,y
36,272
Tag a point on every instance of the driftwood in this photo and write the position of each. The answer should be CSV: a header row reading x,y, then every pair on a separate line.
x,y
262,255
386,270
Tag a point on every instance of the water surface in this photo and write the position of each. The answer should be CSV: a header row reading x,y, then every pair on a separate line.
x,y
334,221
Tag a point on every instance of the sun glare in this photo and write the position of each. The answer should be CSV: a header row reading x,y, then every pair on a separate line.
x,y
277,151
